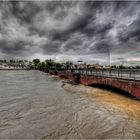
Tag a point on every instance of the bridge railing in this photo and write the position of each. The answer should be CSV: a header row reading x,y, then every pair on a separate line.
x,y
132,74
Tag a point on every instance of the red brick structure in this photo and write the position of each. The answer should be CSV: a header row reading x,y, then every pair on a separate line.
x,y
130,86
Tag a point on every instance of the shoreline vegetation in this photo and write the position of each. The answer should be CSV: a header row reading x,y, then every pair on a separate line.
x,y
50,64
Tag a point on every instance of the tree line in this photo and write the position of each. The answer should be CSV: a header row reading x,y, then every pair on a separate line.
x,y
51,64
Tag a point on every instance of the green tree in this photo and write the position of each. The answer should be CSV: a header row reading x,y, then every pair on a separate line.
x,y
122,67
69,64
42,65
35,62
89,66
50,63
58,65
12,61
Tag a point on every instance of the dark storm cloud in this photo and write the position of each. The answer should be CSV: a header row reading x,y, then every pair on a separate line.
x,y
94,29
73,45
74,20
131,31
101,47
76,29
23,11
15,48
51,47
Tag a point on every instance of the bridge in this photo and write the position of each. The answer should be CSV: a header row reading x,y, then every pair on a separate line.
x,y
123,79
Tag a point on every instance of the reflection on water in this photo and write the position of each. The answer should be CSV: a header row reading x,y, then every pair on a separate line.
x,y
34,105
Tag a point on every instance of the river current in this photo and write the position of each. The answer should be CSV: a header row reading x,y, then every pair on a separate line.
x,y
34,105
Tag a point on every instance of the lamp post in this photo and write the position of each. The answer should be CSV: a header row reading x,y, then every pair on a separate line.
x,y
109,55
109,58
79,61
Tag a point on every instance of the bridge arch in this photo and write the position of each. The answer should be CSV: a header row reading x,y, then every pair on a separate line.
x,y
51,73
112,89
63,76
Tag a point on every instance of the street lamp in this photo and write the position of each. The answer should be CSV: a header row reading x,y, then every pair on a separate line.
x,y
109,55
79,61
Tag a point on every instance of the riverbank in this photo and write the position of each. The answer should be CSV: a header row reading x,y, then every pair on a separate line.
x,y
12,69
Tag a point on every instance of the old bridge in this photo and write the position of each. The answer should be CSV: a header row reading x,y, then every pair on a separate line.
x,y
126,80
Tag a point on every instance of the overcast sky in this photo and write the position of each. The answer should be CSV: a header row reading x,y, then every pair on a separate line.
x,y
71,30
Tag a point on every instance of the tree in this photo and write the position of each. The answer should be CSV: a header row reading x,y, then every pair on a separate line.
x,y
12,61
50,63
89,66
35,62
122,67
58,65
114,66
137,67
42,65
75,66
69,64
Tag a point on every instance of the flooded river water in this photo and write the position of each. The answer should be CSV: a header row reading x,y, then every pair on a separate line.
x,y
35,105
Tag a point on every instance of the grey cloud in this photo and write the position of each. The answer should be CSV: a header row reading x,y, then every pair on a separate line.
x,y
132,31
73,17
93,29
15,48
24,11
74,45
51,47
101,47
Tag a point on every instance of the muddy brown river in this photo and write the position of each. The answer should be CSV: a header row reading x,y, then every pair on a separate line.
x,y
34,105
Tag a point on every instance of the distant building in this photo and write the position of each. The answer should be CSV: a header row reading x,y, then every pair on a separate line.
x,y
96,66
14,64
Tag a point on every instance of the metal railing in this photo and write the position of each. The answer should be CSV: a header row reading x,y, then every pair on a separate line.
x,y
132,74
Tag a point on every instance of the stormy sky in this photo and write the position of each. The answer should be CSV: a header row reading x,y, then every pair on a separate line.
x,y
71,30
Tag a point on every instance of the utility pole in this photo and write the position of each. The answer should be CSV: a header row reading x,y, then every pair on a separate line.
x,y
109,56
108,52
79,62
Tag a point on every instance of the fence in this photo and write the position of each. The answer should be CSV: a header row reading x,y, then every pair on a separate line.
x,y
132,74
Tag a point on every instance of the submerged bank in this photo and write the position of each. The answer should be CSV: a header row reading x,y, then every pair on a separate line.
x,y
108,98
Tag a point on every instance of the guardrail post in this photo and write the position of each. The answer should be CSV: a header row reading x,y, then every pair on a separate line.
x,y
130,74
